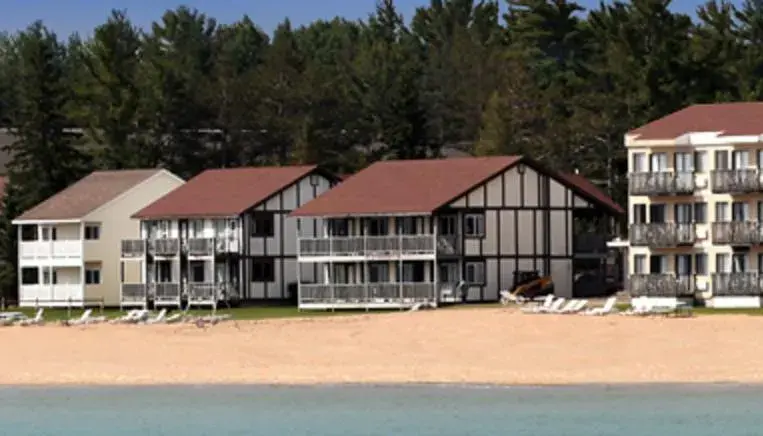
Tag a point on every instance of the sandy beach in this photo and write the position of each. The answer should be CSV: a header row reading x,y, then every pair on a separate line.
x,y
452,346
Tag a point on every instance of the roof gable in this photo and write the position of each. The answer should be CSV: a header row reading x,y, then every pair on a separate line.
x,y
87,195
224,192
727,119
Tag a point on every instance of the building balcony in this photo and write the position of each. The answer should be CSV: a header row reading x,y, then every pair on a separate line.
x,y
165,293
661,183
737,284
51,295
737,233
200,247
735,181
368,293
661,285
371,246
134,294
50,250
662,235
133,248
164,247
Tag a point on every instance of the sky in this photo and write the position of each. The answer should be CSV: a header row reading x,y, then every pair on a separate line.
x,y
68,16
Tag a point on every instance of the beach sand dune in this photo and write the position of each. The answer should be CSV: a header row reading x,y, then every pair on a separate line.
x,y
460,346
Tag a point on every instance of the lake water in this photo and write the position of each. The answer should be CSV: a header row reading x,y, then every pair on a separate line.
x,y
364,410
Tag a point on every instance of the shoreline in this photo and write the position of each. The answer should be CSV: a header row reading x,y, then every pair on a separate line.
x,y
470,348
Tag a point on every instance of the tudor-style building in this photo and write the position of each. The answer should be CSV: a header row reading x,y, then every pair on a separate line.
x,y
399,233
225,234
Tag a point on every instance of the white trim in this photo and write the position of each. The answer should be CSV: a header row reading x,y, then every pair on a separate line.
x,y
362,215
130,189
38,222
693,138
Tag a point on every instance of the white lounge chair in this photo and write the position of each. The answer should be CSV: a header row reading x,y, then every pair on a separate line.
x,y
609,307
563,309
81,320
577,307
639,306
546,304
160,317
37,320
131,317
554,307
175,317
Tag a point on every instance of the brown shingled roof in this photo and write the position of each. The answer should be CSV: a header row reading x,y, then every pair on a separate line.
x,y
729,119
86,195
224,192
418,186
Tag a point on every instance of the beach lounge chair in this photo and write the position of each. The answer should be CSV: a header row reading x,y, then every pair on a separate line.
x,y
639,306
563,309
131,317
554,307
175,317
160,317
9,318
609,307
37,320
577,307
546,303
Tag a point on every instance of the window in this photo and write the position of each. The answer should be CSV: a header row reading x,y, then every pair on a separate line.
x,y
406,225
659,162
658,264
30,276
700,161
49,277
741,159
721,160
683,264
446,225
700,264
740,211
92,232
378,272
684,162
639,213
263,270
474,225
342,273
263,224
739,262
196,228
378,226
722,263
339,227
721,211
760,159
28,232
411,272
197,271
49,234
639,162
700,213
639,264
475,273
682,213
657,213
93,276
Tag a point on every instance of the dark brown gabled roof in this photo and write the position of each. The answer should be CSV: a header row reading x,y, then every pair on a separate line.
x,y
420,186
728,119
592,190
224,192
87,195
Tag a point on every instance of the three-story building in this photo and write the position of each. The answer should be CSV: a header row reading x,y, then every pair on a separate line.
x,y
400,233
696,205
224,235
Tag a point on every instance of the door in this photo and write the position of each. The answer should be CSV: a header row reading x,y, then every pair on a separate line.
x,y
658,264
446,225
683,213
449,273
659,162
683,265
657,213
721,160
684,162
740,159
739,263
740,211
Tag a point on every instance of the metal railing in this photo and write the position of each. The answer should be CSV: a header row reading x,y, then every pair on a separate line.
x,y
134,294
737,232
737,284
201,246
133,248
662,235
165,292
164,247
376,245
661,285
405,292
661,183
735,181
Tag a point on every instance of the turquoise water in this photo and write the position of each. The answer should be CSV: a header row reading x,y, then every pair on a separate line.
x,y
363,410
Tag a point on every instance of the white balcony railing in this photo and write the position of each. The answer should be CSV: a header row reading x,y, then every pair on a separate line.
x,y
375,245
47,294
406,292
50,249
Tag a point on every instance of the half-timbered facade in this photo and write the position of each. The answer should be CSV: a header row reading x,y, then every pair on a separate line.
x,y
224,235
696,205
400,233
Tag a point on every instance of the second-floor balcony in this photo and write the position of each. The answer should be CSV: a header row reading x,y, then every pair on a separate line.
x,y
737,284
662,235
50,250
164,247
661,183
133,248
376,246
211,246
661,285
737,233
742,181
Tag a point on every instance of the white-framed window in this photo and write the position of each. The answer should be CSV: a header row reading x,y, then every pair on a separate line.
x,y
92,232
721,211
93,276
639,163
740,211
474,272
684,162
49,277
659,162
474,225
740,159
722,160
700,161
700,264
639,264
722,263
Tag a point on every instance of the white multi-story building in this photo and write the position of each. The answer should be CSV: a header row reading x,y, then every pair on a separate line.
x,y
225,234
696,205
68,249
400,233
